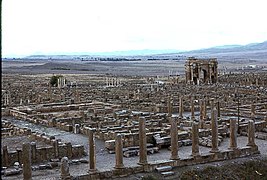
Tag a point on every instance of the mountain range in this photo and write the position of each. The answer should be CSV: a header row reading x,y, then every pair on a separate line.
x,y
253,51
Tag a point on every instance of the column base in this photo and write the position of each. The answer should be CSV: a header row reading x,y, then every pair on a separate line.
x,y
253,147
119,167
195,155
175,158
92,171
66,177
214,151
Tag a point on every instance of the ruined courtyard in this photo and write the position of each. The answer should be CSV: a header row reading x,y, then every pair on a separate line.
x,y
103,126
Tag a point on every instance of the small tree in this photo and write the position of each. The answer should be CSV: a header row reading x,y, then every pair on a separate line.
x,y
54,80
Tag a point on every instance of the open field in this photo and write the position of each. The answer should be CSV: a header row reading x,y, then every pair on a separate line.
x,y
128,68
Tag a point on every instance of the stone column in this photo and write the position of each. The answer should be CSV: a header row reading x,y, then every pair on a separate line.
x,y
210,71
69,150
218,109
252,110
5,156
106,81
77,128
169,106
233,134
174,139
181,107
142,141
204,109
251,134
214,131
195,139
119,152
26,160
201,113
211,104
92,160
64,169
192,108
192,74
20,155
201,109
33,151
56,148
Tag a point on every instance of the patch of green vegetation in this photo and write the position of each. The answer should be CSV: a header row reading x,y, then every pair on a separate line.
x,y
54,79
60,68
149,177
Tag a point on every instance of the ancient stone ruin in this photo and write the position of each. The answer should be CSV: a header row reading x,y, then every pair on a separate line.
x,y
201,71
103,126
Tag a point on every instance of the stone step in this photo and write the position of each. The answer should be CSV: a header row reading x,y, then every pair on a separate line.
x,y
168,173
164,168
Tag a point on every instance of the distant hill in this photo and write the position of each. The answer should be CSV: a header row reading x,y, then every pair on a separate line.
x,y
144,52
253,51
232,48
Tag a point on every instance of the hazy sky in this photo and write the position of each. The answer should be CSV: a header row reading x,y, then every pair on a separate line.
x,y
51,26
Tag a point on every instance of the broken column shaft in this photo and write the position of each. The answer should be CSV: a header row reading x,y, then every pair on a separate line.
x,y
174,139
233,134
119,152
92,160
142,141
195,141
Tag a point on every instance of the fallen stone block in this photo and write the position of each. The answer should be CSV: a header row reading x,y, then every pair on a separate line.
x,y
11,172
163,168
169,173
130,153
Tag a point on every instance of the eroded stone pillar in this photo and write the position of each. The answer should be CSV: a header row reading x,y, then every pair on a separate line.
x,y
142,141
181,107
33,151
204,109
77,128
251,134
218,109
214,131
119,152
195,139
233,134
201,119
56,148
211,104
169,106
5,156
26,160
192,108
174,139
69,150
252,111
64,169
92,159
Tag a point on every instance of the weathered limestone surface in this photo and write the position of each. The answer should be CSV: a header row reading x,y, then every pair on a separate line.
x,y
26,160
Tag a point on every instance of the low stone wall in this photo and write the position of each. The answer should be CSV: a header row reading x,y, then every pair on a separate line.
x,y
259,126
43,154
55,148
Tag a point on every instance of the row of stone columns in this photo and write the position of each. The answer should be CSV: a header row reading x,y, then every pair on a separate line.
x,y
195,139
112,82
202,105
27,148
